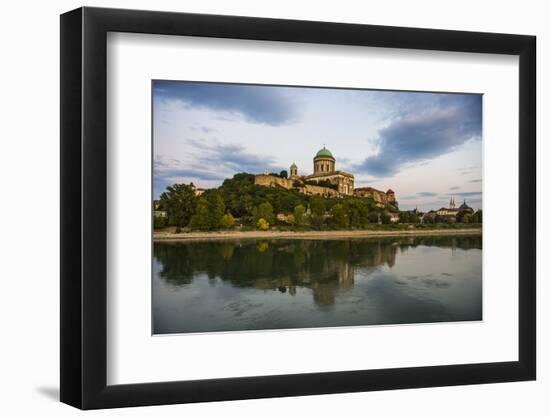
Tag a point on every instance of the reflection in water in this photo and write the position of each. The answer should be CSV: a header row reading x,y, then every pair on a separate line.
x,y
273,284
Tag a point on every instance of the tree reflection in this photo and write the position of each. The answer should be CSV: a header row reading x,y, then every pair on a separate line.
x,y
326,267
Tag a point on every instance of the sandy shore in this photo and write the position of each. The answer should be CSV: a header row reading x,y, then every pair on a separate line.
x,y
331,234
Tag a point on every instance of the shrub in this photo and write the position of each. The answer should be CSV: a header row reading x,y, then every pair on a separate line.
x,y
263,224
299,215
160,222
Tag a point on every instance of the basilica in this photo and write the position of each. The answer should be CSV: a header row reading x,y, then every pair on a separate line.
x,y
326,180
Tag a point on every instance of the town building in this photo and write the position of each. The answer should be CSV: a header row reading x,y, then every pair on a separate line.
x,y
451,213
197,191
381,198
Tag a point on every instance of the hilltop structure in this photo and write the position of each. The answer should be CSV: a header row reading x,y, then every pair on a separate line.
x,y
324,172
381,198
326,181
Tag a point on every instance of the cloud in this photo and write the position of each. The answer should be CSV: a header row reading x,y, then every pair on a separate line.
x,y
456,187
231,158
476,180
273,106
425,133
426,194
206,162
467,194
202,129
170,171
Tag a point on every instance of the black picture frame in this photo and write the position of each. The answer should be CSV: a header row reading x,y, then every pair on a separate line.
x,y
84,207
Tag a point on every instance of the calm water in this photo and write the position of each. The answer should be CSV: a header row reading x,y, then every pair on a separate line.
x,y
281,284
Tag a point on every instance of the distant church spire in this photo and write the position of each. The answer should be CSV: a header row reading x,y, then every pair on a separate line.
x,y
452,203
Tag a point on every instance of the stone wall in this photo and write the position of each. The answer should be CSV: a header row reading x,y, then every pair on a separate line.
x,y
269,180
317,190
379,197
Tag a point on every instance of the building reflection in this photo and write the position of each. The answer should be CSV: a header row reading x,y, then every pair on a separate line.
x,y
326,268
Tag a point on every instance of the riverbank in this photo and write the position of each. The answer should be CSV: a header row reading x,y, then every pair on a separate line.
x,y
328,234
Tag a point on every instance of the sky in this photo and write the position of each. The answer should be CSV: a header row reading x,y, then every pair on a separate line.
x,y
425,146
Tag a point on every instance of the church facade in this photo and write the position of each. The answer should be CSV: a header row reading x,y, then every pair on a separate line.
x,y
324,172
326,180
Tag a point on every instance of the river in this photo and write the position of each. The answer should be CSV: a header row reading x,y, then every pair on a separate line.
x,y
253,284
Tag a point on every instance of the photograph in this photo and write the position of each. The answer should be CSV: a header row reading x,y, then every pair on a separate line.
x,y
292,207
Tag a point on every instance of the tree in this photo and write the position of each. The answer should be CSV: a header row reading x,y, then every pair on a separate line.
x,y
317,207
216,210
209,212
201,218
339,216
385,217
265,211
374,217
413,217
179,201
404,217
227,221
237,194
299,215
262,224
467,218
477,217
159,222
283,174
357,211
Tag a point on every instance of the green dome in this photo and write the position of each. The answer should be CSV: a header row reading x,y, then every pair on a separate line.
x,y
324,152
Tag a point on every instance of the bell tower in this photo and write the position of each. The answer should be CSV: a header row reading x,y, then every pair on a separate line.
x,y
293,170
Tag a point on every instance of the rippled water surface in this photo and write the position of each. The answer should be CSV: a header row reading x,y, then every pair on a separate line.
x,y
280,284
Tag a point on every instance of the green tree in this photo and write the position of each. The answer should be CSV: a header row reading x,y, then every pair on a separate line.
x,y
216,207
477,217
228,221
317,207
159,222
299,215
357,211
404,217
413,217
179,201
467,218
339,216
201,219
265,211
